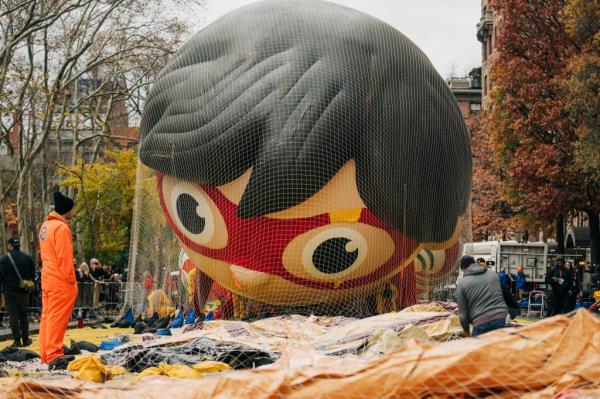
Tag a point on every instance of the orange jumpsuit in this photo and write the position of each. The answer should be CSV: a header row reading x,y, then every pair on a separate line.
x,y
59,287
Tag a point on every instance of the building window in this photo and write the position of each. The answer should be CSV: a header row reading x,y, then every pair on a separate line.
x,y
484,86
483,49
475,107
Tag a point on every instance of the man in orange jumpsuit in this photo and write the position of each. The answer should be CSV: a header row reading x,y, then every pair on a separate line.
x,y
59,287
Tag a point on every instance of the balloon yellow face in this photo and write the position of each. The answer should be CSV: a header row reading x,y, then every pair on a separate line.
x,y
326,249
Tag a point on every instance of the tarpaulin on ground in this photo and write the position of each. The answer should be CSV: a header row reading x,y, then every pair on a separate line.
x,y
327,335
138,358
553,356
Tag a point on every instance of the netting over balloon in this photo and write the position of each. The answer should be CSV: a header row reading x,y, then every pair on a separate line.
x,y
306,158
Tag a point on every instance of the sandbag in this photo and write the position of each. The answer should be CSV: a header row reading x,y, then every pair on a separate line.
x,y
139,327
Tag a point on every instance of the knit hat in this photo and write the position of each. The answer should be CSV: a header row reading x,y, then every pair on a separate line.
x,y
466,261
14,242
62,204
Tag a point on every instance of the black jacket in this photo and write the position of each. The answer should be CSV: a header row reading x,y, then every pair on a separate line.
x,y
8,276
560,280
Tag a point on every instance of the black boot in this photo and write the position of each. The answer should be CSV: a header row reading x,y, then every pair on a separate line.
x,y
27,341
16,343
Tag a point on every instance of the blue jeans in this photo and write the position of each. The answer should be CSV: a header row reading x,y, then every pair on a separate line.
x,y
489,326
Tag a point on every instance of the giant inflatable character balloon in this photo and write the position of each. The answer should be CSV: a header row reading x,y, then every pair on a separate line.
x,y
306,153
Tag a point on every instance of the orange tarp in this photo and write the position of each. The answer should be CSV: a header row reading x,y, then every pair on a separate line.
x,y
547,358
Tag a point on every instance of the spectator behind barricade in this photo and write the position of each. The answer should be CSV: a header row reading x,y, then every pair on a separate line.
x,y
574,287
481,262
479,298
97,270
86,287
83,274
107,271
520,282
560,282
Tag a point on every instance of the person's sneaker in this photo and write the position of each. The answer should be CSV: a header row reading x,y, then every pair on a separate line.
x,y
61,362
27,341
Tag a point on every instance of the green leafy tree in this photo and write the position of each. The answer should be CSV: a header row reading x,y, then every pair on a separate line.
x,y
104,202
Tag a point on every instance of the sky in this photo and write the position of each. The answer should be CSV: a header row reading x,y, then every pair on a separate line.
x,y
443,29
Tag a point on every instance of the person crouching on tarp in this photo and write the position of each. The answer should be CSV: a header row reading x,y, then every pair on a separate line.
x,y
59,286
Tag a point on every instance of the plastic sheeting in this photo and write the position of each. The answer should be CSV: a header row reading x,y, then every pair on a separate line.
x,y
555,356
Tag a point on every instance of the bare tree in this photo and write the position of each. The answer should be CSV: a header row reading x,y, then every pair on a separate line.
x,y
50,47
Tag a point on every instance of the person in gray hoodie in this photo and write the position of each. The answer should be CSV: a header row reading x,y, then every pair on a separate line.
x,y
479,298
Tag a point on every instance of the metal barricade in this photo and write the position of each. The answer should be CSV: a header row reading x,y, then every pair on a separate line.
x,y
85,295
111,296
93,298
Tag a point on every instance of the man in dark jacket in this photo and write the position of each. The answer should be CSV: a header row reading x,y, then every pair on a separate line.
x,y
560,281
479,298
16,298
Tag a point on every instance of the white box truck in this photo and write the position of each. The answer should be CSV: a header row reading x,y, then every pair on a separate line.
x,y
533,256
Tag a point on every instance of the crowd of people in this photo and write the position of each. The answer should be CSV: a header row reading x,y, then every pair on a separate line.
x,y
486,299
565,287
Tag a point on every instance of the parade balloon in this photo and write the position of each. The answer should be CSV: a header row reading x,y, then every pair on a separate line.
x,y
306,153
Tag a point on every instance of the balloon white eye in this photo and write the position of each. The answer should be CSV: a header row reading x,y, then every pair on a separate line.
x,y
192,212
334,252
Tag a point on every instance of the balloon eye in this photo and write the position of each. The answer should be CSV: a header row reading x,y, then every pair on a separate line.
x,y
334,252
335,255
188,213
193,213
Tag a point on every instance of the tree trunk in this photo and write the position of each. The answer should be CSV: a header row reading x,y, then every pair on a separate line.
x,y
594,237
31,231
21,219
2,215
560,235
79,242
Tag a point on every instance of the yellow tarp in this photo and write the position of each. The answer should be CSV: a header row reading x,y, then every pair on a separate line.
x,y
181,371
90,368
555,356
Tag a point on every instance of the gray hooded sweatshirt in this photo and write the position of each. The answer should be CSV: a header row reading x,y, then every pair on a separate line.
x,y
479,297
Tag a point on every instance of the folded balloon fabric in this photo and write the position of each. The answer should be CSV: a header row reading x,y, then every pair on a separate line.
x,y
90,368
181,371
